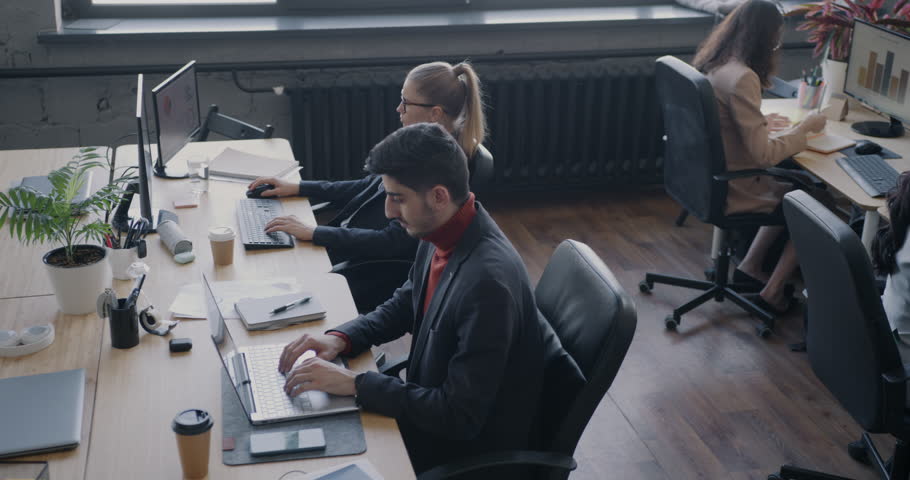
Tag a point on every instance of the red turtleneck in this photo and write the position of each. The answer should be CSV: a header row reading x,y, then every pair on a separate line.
x,y
445,239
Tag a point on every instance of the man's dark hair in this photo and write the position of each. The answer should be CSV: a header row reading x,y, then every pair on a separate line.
x,y
421,156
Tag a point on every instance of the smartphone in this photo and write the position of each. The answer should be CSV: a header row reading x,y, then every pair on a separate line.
x,y
286,442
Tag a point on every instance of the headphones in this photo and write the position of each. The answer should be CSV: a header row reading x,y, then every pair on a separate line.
x,y
25,342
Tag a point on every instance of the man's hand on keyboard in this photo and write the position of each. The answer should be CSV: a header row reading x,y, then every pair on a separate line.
x,y
291,225
326,347
283,188
318,374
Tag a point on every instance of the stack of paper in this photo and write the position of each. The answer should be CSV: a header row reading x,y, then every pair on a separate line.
x,y
236,164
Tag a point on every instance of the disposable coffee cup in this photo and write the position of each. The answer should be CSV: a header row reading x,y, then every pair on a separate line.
x,y
193,429
222,240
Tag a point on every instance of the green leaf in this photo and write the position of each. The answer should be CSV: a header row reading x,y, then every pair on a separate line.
x,y
3,217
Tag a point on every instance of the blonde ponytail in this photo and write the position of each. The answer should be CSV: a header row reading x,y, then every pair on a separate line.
x,y
457,90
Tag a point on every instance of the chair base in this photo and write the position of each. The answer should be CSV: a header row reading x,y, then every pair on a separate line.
x,y
718,289
898,469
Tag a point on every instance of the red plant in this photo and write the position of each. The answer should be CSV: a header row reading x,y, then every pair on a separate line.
x,y
830,22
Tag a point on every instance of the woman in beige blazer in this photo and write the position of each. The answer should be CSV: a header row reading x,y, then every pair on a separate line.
x,y
739,57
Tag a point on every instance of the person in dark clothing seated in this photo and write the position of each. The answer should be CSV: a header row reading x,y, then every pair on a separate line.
x,y
476,361
433,92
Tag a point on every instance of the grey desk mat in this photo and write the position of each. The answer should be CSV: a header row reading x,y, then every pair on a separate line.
x,y
885,153
343,432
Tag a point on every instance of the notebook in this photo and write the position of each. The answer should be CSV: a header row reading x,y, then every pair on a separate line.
x,y
236,164
255,313
826,143
44,410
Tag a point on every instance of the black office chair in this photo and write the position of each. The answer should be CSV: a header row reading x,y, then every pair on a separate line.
x,y
372,282
589,321
231,127
696,176
851,347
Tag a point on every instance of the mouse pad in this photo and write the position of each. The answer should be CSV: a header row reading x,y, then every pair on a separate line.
x,y
343,432
885,153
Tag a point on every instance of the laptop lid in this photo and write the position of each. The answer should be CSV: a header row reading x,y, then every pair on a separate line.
x,y
231,359
44,411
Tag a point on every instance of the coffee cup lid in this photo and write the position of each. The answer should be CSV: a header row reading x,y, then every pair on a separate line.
x,y
192,422
221,234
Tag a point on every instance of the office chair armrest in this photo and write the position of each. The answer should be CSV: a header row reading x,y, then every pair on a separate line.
x,y
754,172
393,367
553,460
349,266
897,376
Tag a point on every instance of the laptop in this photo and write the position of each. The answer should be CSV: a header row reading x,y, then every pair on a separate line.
x,y
41,413
254,375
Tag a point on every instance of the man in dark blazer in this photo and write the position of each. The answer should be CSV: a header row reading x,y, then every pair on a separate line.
x,y
476,360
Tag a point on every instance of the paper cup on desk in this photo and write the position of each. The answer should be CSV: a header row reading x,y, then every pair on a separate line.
x,y
193,429
222,240
120,260
810,96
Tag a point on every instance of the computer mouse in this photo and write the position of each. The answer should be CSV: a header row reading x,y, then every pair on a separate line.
x,y
257,192
868,148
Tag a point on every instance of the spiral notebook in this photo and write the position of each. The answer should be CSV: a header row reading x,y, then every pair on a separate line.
x,y
255,313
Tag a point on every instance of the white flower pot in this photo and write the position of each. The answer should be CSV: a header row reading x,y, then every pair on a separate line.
x,y
835,74
77,288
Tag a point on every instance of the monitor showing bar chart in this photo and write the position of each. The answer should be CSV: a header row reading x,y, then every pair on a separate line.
x,y
879,70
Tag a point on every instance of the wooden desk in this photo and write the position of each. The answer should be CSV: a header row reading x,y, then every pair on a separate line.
x,y
127,428
77,343
825,167
14,165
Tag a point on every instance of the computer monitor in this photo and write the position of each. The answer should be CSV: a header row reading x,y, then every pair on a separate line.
x,y
877,74
144,162
177,118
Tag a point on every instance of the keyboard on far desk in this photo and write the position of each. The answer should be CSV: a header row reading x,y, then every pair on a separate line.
x,y
252,216
871,173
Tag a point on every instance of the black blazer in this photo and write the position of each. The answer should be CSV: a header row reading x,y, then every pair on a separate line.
x,y
476,361
369,234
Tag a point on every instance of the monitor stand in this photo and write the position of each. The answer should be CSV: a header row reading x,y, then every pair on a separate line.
x,y
171,170
892,129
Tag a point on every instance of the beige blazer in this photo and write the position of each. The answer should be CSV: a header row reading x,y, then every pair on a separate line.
x,y
747,142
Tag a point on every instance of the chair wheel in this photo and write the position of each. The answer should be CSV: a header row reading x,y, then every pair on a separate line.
x,y
709,274
671,322
859,452
775,476
763,331
645,287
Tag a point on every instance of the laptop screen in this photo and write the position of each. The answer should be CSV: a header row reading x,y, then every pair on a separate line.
x,y
225,345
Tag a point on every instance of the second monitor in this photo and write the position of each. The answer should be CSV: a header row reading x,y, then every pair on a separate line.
x,y
177,118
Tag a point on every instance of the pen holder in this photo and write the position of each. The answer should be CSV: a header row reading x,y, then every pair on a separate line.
x,y
810,96
124,325
120,260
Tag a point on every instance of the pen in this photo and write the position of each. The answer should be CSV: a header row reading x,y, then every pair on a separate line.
x,y
134,295
290,305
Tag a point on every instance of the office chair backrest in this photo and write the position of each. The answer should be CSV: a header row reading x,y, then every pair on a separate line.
x,y
482,173
231,127
849,340
694,151
594,319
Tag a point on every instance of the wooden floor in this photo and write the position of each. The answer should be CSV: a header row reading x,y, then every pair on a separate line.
x,y
712,400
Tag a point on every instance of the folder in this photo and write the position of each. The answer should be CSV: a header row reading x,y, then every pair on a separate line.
x,y
236,164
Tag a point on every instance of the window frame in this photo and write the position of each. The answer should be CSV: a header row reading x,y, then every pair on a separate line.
x,y
76,9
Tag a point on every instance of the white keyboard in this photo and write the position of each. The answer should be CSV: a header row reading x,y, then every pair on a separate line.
x,y
268,386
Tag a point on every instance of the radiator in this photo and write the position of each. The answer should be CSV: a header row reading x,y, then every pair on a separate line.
x,y
551,125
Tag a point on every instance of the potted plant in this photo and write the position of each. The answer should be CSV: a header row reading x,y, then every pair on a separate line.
x,y
830,27
77,269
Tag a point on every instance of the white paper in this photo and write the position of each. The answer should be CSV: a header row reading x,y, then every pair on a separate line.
x,y
190,303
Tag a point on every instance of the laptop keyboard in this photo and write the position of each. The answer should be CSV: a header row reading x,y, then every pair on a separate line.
x,y
871,173
252,216
271,401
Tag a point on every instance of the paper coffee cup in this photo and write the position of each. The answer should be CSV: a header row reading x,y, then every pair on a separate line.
x,y
222,240
193,429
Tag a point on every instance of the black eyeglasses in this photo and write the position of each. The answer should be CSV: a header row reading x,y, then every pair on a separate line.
x,y
405,103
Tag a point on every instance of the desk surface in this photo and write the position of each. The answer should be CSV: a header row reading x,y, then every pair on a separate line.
x,y
825,167
127,427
